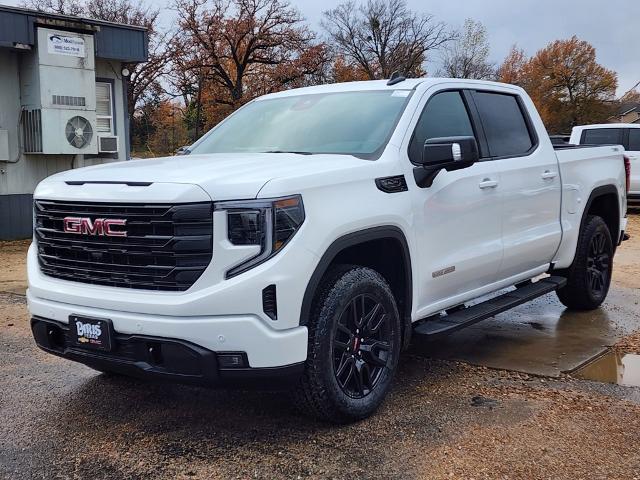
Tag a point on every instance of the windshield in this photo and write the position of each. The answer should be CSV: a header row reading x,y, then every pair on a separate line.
x,y
351,123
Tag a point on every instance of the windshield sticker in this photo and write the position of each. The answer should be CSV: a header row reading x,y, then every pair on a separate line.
x,y
400,93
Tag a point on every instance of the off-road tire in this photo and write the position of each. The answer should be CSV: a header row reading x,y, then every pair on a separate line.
x,y
579,292
320,392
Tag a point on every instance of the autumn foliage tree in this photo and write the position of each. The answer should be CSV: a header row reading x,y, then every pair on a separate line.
x,y
343,71
170,132
512,68
566,83
236,50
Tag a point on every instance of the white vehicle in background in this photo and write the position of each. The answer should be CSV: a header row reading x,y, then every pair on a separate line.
x,y
625,134
305,238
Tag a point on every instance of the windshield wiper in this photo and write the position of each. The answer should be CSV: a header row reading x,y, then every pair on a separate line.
x,y
289,151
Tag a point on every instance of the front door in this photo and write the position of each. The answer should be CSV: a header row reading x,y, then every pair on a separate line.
x,y
458,218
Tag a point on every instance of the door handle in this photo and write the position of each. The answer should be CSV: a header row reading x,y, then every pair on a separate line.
x,y
488,183
548,175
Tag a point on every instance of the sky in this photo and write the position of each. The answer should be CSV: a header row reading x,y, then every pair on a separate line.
x,y
611,26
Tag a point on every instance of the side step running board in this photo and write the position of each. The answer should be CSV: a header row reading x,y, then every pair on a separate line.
x,y
468,316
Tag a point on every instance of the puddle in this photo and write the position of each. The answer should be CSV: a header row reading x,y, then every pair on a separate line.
x,y
613,368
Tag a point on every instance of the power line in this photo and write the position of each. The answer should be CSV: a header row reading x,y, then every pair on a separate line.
x,y
630,90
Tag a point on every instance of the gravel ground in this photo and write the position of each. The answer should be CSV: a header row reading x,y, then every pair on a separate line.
x,y
13,273
443,419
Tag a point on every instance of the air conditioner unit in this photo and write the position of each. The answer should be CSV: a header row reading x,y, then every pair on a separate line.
x,y
49,131
58,93
108,144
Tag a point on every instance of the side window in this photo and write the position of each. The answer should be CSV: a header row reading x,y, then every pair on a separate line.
x,y
445,115
634,140
601,136
504,124
104,110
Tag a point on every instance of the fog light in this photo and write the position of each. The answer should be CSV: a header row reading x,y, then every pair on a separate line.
x,y
232,360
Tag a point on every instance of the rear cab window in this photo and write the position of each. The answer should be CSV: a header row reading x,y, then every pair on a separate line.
x,y
601,136
634,140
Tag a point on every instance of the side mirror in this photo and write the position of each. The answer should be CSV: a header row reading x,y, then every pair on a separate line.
x,y
445,153
183,151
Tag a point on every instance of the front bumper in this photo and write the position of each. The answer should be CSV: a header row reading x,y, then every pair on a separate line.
x,y
161,359
264,346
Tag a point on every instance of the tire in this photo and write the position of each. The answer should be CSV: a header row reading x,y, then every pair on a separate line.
x,y
354,346
589,276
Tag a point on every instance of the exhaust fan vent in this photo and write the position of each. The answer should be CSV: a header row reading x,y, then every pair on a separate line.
x,y
68,101
78,132
32,130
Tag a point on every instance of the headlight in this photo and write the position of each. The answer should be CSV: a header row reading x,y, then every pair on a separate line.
x,y
269,224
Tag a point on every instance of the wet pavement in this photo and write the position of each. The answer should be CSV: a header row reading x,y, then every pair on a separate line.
x,y
541,337
612,367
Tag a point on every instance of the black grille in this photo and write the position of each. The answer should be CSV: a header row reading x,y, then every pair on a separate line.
x,y
167,247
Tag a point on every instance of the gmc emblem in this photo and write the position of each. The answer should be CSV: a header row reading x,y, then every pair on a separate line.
x,y
99,226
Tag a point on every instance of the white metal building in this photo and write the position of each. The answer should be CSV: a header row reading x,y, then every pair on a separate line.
x,y
62,101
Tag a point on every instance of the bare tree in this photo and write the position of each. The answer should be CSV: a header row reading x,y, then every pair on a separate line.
x,y
468,55
383,36
61,7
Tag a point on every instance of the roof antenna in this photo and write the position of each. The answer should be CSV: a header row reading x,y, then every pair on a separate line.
x,y
395,78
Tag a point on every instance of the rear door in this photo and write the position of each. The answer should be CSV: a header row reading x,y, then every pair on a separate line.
x,y
530,183
632,146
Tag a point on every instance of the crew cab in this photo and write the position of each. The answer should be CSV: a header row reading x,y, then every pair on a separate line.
x,y
625,134
302,241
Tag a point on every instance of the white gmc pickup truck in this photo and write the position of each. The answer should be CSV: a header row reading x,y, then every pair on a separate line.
x,y
303,240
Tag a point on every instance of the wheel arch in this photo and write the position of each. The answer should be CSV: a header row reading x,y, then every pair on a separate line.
x,y
344,250
604,202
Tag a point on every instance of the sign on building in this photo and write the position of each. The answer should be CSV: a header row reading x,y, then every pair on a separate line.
x,y
65,45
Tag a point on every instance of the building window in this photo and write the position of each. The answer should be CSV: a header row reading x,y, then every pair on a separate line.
x,y
104,107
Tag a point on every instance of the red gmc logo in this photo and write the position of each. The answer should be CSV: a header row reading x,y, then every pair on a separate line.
x,y
99,226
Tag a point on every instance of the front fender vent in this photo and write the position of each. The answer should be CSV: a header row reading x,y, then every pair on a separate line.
x,y
394,184
270,302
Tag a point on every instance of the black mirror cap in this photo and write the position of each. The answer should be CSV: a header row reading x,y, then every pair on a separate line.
x,y
445,153
450,153
183,151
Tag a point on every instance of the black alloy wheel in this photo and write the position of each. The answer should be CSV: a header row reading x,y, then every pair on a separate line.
x,y
361,346
598,263
355,338
589,276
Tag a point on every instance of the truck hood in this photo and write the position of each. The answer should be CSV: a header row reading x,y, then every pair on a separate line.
x,y
221,176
